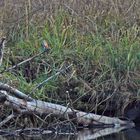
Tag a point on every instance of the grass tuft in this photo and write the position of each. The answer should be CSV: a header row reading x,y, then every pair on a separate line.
x,y
99,38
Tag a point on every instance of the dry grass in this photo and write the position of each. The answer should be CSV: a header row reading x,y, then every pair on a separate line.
x,y
100,37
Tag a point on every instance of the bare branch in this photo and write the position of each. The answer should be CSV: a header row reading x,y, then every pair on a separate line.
x,y
14,91
7,120
27,60
48,79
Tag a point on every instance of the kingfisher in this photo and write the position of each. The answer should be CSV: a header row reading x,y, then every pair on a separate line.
x,y
45,46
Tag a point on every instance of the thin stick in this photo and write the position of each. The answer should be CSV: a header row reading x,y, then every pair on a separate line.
x,y
6,120
59,72
45,81
27,60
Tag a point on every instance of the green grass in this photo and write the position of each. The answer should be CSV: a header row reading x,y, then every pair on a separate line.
x,y
106,58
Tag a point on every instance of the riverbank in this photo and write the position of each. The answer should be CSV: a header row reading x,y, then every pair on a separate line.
x,y
100,39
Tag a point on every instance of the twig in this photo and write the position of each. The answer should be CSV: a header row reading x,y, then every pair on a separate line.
x,y
45,81
6,120
27,60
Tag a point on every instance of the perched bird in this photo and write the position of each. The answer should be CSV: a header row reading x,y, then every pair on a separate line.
x,y
45,46
2,45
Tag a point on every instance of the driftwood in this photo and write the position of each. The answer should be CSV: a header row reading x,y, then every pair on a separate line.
x,y
24,104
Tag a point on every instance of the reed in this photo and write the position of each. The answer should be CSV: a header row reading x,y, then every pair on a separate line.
x,y
100,38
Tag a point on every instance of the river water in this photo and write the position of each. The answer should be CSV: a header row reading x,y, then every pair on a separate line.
x,y
103,134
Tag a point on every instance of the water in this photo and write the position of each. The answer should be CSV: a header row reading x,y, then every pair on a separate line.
x,y
102,134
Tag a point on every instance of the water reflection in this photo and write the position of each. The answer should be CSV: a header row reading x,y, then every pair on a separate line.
x,y
128,134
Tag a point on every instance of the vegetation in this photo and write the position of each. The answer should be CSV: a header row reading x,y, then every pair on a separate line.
x,y
100,38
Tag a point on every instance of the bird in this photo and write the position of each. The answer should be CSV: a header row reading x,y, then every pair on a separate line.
x,y
45,46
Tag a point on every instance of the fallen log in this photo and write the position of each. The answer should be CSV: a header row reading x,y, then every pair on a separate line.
x,y
24,104
14,91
